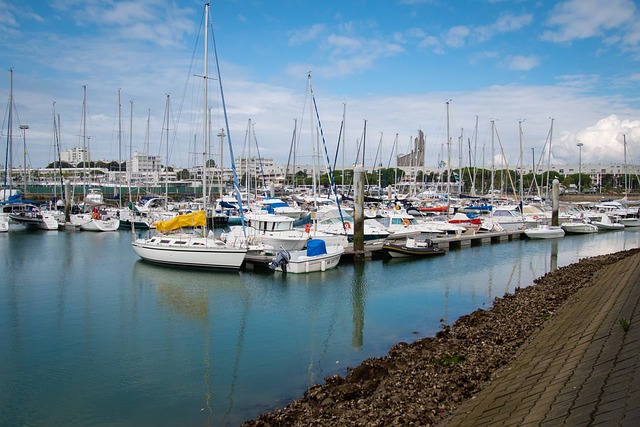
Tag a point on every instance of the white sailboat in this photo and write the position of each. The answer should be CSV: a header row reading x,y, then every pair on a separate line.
x,y
191,249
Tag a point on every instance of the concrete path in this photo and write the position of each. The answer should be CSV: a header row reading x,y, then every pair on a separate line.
x,y
581,369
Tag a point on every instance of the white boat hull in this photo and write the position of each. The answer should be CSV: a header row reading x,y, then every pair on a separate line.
x,y
544,232
578,228
36,220
110,224
189,251
300,263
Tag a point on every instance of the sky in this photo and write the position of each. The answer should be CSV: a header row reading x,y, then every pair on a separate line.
x,y
389,68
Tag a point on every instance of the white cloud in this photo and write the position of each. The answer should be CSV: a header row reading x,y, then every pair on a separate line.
x,y
456,36
603,142
581,19
306,34
522,63
506,22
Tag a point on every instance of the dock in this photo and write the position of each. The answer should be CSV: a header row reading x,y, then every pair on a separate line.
x,y
373,250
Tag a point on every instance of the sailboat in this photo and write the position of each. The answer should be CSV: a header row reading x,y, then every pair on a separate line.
x,y
176,247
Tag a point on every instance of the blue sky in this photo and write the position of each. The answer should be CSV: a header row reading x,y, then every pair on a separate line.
x,y
392,63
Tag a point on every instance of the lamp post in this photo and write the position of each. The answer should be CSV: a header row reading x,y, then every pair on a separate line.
x,y
580,144
24,143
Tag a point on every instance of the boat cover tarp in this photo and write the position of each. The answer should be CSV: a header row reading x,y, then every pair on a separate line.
x,y
271,207
193,219
316,247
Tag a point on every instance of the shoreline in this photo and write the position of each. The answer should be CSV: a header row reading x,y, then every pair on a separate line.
x,y
424,382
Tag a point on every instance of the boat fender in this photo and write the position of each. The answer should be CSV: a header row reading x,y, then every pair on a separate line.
x,y
307,228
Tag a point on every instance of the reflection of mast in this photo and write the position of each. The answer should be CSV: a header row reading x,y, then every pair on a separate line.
x,y
554,256
358,300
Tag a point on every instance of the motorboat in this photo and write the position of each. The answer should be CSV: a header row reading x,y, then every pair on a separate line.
x,y
544,231
606,224
35,218
579,227
412,248
317,257
268,229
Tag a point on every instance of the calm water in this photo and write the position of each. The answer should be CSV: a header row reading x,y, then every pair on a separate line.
x,y
90,335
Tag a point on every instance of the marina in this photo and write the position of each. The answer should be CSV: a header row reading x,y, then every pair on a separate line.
x,y
94,335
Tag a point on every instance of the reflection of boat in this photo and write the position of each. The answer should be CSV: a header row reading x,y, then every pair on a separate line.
x,y
544,231
317,257
412,248
579,227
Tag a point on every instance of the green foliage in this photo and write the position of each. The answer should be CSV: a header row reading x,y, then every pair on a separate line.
x,y
625,324
450,360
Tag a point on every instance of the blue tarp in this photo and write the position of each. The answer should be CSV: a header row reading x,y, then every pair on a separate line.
x,y
270,208
316,247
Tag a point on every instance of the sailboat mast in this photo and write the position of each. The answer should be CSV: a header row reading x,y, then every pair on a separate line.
x,y
119,148
313,143
84,140
520,189
166,166
549,158
493,165
626,186
448,162
9,171
204,110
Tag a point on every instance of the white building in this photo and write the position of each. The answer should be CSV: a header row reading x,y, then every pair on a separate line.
x,y
75,155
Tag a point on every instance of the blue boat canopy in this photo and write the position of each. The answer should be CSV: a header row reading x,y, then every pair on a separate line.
x,y
316,247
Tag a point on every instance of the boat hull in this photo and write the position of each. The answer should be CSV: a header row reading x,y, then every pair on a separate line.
x,y
403,251
300,263
544,232
101,225
190,253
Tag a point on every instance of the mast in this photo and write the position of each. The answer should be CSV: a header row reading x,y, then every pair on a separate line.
x,y
166,166
130,149
520,189
84,140
9,154
204,112
146,146
119,150
493,165
313,144
344,132
448,162
549,158
626,186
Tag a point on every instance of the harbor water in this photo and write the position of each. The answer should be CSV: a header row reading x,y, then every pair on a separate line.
x,y
91,335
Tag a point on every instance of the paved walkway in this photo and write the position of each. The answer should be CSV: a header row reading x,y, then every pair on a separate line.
x,y
581,369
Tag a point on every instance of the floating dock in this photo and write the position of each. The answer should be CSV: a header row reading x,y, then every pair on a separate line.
x,y
261,261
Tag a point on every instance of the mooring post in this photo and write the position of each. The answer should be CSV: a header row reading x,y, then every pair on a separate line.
x,y
555,202
358,214
67,201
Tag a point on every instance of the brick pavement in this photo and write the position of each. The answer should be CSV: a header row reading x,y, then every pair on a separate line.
x,y
581,369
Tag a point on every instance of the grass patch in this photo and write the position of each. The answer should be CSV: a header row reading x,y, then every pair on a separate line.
x,y
449,360
625,324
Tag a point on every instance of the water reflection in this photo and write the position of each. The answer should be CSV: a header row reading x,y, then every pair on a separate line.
x,y
358,296
183,347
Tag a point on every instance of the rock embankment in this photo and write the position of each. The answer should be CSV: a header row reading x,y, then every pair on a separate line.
x,y
421,383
